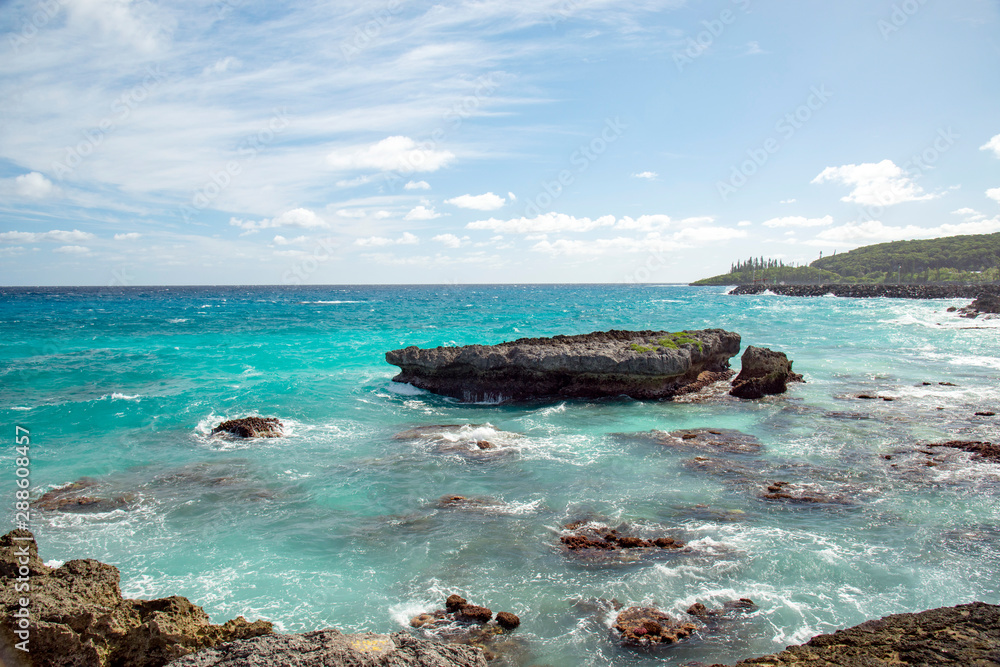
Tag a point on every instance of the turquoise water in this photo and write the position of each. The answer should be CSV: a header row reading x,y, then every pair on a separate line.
x,y
337,524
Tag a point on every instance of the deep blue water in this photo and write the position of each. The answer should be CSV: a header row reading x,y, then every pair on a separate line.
x,y
338,523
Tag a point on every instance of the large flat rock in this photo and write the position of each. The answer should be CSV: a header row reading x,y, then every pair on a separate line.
x,y
638,364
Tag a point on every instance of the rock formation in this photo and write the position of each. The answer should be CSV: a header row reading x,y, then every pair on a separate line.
x,y
83,496
639,364
78,617
869,290
763,372
468,624
986,304
645,626
597,543
330,648
965,636
250,427
702,439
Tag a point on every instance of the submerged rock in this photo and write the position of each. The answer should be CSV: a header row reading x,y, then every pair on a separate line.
x,y
83,496
463,623
639,364
729,609
763,372
251,427
331,648
982,450
707,439
79,618
965,636
645,626
802,493
465,440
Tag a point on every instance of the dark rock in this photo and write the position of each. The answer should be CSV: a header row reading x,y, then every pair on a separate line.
x,y
645,626
330,648
763,372
964,636
595,542
80,497
454,603
947,384
639,364
250,427
729,609
470,613
484,444
79,618
951,309
464,440
507,620
867,397
986,413
982,450
986,304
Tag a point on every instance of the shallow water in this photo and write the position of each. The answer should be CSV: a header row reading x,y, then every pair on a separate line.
x,y
338,524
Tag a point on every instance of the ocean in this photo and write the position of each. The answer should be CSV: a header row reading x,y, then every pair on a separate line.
x,y
339,523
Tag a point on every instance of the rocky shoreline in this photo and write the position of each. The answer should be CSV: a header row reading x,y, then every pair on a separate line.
x,y
869,291
78,618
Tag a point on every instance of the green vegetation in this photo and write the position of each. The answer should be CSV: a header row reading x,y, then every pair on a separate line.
x,y
953,259
672,341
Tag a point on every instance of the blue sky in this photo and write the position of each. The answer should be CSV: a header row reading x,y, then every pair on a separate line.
x,y
239,142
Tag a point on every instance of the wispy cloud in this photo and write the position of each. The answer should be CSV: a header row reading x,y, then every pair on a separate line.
x,y
484,202
992,145
875,183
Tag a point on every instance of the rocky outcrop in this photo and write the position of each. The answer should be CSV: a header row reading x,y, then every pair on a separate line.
x,y
867,291
250,427
967,636
597,543
763,372
983,450
639,364
330,648
987,305
79,618
469,624
702,439
645,626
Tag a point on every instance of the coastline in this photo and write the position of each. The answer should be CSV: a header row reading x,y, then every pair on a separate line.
x,y
869,290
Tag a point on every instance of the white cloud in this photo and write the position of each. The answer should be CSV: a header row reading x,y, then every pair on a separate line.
x,y
874,231
222,65
351,213
72,250
744,223
417,185
485,202
297,217
994,194
281,240
648,175
56,235
355,182
543,224
382,215
450,240
131,236
753,49
422,213
992,145
875,184
396,153
969,213
406,239
34,186
787,201
799,221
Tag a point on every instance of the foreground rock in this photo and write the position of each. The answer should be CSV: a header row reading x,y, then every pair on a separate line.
x,y
645,626
330,648
639,364
763,372
967,635
472,625
251,427
983,450
79,618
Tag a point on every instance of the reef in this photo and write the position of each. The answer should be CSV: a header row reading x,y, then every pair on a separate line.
x,y
250,427
763,372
